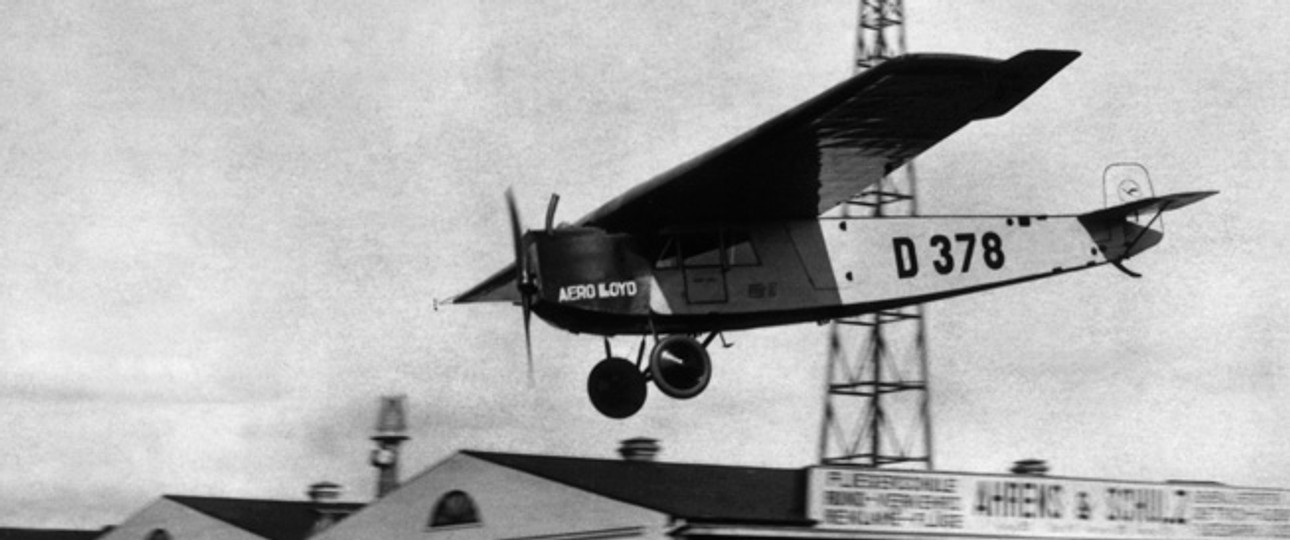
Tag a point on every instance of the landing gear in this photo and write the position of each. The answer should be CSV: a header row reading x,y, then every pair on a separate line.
x,y
679,366
616,387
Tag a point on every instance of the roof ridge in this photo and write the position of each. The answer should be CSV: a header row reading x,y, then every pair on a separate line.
x,y
484,454
208,514
271,519
179,497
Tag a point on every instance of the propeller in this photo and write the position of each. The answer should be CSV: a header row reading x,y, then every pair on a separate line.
x,y
524,277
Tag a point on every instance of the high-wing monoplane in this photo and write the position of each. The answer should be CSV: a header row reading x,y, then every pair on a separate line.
x,y
742,236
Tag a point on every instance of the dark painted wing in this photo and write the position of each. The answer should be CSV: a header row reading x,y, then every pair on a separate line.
x,y
829,149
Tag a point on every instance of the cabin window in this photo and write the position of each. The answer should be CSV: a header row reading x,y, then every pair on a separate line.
x,y
707,249
738,248
455,508
159,534
701,249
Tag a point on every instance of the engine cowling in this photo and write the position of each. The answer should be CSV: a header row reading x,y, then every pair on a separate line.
x,y
592,270
680,366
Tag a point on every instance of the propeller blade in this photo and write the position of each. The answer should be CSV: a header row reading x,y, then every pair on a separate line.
x,y
528,340
523,278
517,240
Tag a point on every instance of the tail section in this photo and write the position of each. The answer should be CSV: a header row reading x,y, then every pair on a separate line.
x,y
1131,223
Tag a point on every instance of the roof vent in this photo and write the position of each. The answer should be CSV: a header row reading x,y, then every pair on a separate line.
x,y
1030,467
639,449
324,492
326,511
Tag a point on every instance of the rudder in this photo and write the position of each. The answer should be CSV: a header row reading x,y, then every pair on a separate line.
x,y
1124,183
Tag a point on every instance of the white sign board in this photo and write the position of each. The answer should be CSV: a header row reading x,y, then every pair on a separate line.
x,y
1038,506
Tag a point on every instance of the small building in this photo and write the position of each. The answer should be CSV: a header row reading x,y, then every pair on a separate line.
x,y
181,517
494,495
474,494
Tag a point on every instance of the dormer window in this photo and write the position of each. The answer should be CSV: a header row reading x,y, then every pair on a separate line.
x,y
455,508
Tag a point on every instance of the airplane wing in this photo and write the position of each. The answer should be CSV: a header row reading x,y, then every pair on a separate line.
x,y
822,152
829,149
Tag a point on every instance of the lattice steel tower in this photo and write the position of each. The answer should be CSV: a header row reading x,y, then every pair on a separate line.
x,y
877,401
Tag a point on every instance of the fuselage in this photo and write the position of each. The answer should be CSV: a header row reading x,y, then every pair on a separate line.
x,y
747,275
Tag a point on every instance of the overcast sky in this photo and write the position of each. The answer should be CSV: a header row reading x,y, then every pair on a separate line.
x,y
222,228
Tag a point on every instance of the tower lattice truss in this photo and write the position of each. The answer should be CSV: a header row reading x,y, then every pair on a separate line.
x,y
877,408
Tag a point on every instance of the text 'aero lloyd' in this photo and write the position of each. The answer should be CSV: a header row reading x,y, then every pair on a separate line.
x,y
593,291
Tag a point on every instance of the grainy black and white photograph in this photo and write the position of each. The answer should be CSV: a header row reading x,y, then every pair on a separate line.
x,y
593,269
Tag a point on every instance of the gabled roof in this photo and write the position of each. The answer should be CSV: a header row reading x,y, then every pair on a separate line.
x,y
9,533
275,520
710,493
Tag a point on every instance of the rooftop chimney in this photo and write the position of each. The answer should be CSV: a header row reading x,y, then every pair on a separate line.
x,y
325,495
639,449
1031,467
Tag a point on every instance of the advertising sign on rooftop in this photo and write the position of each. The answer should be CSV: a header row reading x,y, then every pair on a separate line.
x,y
848,498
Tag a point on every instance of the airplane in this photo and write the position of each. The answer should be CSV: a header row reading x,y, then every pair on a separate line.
x,y
749,234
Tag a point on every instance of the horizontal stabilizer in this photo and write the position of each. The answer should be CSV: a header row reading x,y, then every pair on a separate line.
x,y
1147,206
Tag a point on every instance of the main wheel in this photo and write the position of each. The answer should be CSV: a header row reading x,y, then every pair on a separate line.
x,y
680,366
616,388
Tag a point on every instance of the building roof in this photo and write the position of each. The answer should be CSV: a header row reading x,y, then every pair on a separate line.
x,y
8,533
275,520
711,493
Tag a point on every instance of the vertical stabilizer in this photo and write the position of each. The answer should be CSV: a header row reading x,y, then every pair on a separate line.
x,y
1127,183
1124,183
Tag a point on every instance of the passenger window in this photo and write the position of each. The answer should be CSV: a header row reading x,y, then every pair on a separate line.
x,y
701,249
739,249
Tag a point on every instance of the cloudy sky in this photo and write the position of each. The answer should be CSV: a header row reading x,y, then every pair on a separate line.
x,y
222,229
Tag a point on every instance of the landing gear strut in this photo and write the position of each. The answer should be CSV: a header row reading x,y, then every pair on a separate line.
x,y
679,365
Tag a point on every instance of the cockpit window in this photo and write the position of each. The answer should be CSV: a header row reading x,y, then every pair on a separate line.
x,y
670,255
